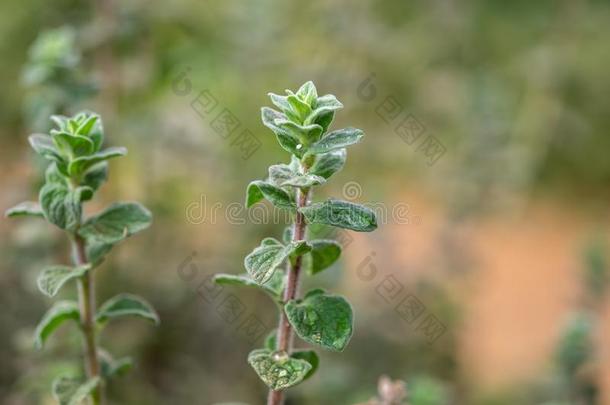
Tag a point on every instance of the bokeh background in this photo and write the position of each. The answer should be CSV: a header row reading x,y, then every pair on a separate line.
x,y
502,239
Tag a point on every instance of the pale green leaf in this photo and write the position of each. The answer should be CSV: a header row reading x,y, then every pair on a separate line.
x,y
53,278
116,223
71,391
126,305
26,208
111,367
342,214
326,164
262,262
336,140
60,205
273,287
278,370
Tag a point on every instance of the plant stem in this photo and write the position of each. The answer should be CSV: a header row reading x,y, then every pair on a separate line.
x,y
284,334
86,299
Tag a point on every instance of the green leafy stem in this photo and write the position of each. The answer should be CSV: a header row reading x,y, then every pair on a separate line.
x,y
319,318
78,167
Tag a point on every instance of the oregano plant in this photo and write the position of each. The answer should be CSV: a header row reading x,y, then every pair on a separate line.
x,y
78,167
319,318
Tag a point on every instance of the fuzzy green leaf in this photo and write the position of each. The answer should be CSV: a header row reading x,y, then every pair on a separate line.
x,y
258,189
126,305
72,145
342,214
96,175
26,208
271,340
323,254
300,107
327,164
60,205
44,146
308,93
116,223
81,164
286,139
336,140
262,262
273,287
71,391
322,319
53,318
278,370
53,278
111,367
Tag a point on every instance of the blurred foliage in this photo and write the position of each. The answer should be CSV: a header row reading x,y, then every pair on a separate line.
x,y
517,92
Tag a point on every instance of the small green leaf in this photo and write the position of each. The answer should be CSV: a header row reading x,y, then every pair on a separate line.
x,y
262,262
116,223
257,190
96,175
322,319
327,164
271,340
71,391
284,175
286,139
342,214
53,278
111,367
309,356
336,140
126,305
26,208
60,205
81,164
72,145
55,316
308,93
273,287
300,107
278,370
44,146
323,254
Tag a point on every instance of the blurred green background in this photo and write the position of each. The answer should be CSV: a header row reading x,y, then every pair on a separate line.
x,y
502,237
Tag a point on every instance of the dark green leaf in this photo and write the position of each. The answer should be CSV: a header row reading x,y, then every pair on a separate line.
x,y
278,370
336,140
59,312
96,175
116,223
111,367
26,208
323,254
258,189
271,340
53,278
126,305
309,356
327,164
321,319
71,391
342,214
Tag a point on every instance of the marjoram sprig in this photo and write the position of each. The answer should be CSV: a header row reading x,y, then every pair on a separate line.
x,y
78,167
319,318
